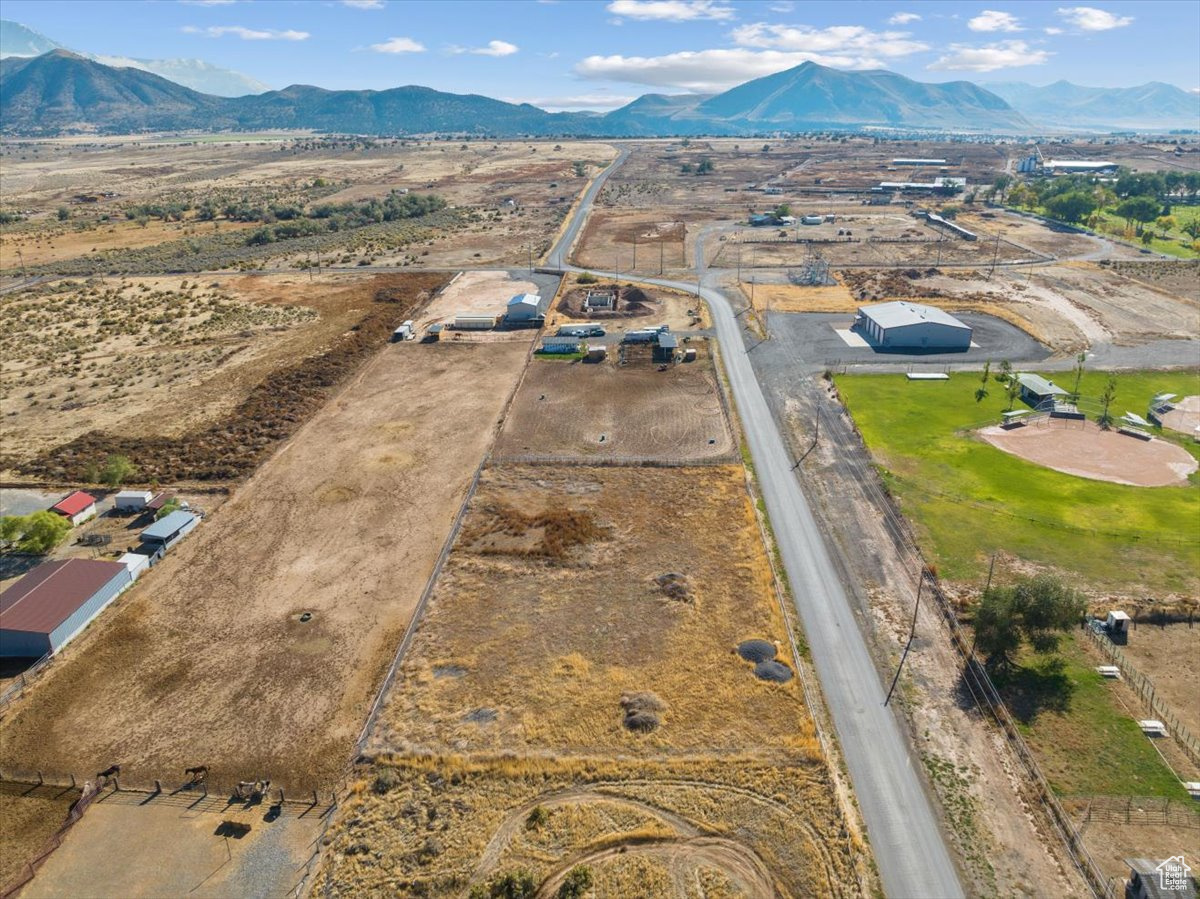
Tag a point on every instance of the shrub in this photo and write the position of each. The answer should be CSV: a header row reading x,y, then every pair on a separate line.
x,y
36,533
578,882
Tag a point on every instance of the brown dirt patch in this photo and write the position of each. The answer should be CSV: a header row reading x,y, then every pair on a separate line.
x,y
657,304
565,408
1169,655
204,661
1084,450
29,816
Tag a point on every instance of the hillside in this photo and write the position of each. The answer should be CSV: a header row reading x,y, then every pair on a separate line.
x,y
1063,104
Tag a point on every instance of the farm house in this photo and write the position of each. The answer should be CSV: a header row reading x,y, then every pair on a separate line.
x,y
77,506
902,325
169,530
42,611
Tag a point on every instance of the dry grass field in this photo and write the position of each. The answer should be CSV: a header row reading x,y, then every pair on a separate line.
x,y
29,816
606,410
151,357
570,589
207,660
574,697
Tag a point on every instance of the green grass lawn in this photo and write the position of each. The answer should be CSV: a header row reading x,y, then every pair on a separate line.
x,y
1177,243
968,499
1086,742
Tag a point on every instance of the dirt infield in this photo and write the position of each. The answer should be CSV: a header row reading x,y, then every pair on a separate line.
x,y
208,661
577,409
1084,450
1185,416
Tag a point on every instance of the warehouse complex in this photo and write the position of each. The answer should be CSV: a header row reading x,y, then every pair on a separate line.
x,y
911,326
42,611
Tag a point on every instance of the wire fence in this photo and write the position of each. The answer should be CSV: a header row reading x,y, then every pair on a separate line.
x,y
1144,687
24,679
612,461
975,677
1135,810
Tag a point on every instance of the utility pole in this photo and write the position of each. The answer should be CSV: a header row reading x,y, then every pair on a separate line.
x,y
739,263
911,635
634,268
662,249
530,245
995,258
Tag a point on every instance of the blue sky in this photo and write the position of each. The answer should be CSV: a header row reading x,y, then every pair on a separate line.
x,y
583,54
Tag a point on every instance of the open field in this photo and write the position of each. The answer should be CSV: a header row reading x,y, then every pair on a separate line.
x,y
206,660
684,828
607,410
638,306
128,844
573,696
151,358
968,499
571,588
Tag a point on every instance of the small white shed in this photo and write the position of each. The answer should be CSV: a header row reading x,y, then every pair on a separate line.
x,y
132,500
1117,623
136,563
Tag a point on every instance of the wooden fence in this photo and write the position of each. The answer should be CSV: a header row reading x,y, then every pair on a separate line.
x,y
1144,687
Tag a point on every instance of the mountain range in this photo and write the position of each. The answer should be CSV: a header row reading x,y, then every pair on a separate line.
x,y
1149,106
20,40
60,91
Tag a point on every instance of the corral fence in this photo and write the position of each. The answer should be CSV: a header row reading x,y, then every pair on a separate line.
x,y
1144,810
975,677
204,796
1144,687
24,679
613,461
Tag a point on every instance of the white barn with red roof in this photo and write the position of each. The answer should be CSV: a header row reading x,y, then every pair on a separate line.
x,y
77,506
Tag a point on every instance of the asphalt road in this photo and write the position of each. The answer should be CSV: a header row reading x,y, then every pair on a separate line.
x,y
557,256
908,846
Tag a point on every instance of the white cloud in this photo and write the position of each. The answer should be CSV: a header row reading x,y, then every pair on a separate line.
x,y
671,10
842,39
577,101
904,18
709,70
990,57
493,48
785,6
248,34
1052,30
364,4
399,45
993,20
1088,18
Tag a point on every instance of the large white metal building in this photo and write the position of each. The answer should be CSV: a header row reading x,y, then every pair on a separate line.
x,y
901,325
524,307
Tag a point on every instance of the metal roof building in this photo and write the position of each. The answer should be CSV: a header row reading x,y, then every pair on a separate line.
x,y
170,529
77,506
524,307
1035,389
42,611
902,325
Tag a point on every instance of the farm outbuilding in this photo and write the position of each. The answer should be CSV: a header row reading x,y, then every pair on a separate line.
x,y
472,322
137,563
77,506
667,345
903,325
169,530
132,500
524,308
1036,390
42,611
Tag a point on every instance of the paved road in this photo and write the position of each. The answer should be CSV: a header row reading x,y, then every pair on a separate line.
x,y
562,247
908,846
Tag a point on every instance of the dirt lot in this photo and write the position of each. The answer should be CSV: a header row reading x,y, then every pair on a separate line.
x,y
206,660
1184,415
1083,449
549,611
564,408
1180,278
638,305
1167,655
120,846
484,293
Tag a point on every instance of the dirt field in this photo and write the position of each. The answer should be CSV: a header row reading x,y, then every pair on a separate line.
x,y
483,293
565,408
638,305
1167,655
206,660
173,845
549,611
1083,449
1184,416
29,816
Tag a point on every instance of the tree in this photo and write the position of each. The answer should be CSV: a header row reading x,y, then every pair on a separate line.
x,y
578,881
517,884
1012,389
1138,209
1192,229
1001,184
1034,609
580,168
783,209
1078,370
981,391
1071,207
1106,401
1166,223
686,168
704,166
36,533
63,213
116,470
